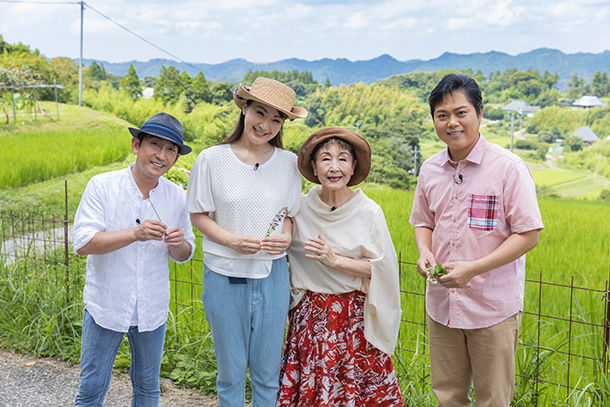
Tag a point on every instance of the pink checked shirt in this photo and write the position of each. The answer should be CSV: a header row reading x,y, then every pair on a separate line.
x,y
469,218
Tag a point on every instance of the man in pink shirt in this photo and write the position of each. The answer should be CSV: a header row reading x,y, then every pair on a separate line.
x,y
475,212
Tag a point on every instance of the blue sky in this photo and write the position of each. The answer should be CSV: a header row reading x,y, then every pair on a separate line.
x,y
213,31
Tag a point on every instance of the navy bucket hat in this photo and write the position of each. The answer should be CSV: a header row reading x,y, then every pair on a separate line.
x,y
165,126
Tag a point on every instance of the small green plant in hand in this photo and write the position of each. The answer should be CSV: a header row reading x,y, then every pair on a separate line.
x,y
435,272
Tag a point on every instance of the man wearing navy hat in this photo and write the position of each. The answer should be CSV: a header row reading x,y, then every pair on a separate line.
x,y
128,223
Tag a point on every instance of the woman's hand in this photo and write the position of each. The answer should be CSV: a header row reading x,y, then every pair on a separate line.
x,y
320,250
276,244
243,244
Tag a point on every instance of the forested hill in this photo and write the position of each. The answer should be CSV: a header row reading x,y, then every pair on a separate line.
x,y
343,71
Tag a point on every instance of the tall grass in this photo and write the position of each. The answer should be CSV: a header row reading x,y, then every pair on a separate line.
x,y
55,152
36,314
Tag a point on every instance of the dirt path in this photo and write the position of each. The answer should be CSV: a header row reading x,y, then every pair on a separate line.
x,y
29,382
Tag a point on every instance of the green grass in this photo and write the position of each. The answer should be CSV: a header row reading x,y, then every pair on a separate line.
x,y
574,243
588,187
551,177
570,183
47,148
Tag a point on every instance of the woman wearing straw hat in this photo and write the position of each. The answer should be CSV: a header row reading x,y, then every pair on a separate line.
x,y
345,312
241,196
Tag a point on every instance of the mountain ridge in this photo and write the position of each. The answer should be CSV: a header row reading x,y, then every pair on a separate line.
x,y
343,71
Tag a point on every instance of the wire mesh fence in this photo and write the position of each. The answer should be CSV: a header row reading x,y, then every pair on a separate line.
x,y
564,337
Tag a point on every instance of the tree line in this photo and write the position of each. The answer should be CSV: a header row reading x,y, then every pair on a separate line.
x,y
392,114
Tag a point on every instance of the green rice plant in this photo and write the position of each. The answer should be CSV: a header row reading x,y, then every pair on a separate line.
x,y
42,156
575,242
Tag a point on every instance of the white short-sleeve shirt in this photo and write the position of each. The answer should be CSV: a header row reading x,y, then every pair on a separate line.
x,y
243,199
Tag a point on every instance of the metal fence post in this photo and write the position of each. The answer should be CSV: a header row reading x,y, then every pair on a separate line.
x,y
66,243
606,326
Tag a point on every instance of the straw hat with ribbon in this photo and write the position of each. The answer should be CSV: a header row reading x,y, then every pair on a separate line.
x,y
361,148
271,93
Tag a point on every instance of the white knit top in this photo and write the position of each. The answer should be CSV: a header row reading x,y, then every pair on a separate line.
x,y
243,200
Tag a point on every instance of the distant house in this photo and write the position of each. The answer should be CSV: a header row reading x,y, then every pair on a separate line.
x,y
521,107
587,102
565,102
586,134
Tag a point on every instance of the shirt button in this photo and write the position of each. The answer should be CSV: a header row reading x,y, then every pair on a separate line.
x,y
452,243
453,290
454,219
457,196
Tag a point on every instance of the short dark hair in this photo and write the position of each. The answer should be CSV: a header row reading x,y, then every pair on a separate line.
x,y
456,83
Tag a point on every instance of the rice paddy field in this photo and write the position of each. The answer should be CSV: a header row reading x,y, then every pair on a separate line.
x,y
568,183
35,152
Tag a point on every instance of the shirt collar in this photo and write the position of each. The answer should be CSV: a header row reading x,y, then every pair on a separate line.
x,y
475,156
134,185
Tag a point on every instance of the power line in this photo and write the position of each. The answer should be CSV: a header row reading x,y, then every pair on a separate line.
x,y
39,2
142,38
112,21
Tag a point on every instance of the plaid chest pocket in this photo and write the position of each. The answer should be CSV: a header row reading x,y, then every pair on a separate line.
x,y
483,212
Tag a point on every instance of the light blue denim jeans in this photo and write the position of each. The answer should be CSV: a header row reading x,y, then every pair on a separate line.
x,y
247,323
99,347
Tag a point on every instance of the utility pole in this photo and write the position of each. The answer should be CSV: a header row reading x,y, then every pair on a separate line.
x,y
415,152
80,65
13,99
512,129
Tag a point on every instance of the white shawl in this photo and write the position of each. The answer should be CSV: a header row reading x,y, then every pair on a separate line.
x,y
358,230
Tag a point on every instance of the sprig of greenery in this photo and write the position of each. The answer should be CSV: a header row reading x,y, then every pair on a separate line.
x,y
435,272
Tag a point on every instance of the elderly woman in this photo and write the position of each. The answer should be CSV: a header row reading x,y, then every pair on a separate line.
x,y
345,310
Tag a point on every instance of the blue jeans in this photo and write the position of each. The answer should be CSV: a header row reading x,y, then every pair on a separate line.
x,y
98,350
247,323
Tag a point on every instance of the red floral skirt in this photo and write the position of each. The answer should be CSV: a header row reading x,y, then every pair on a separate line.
x,y
328,362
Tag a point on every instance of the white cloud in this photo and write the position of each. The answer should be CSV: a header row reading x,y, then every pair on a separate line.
x,y
458,23
503,13
357,20
268,30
